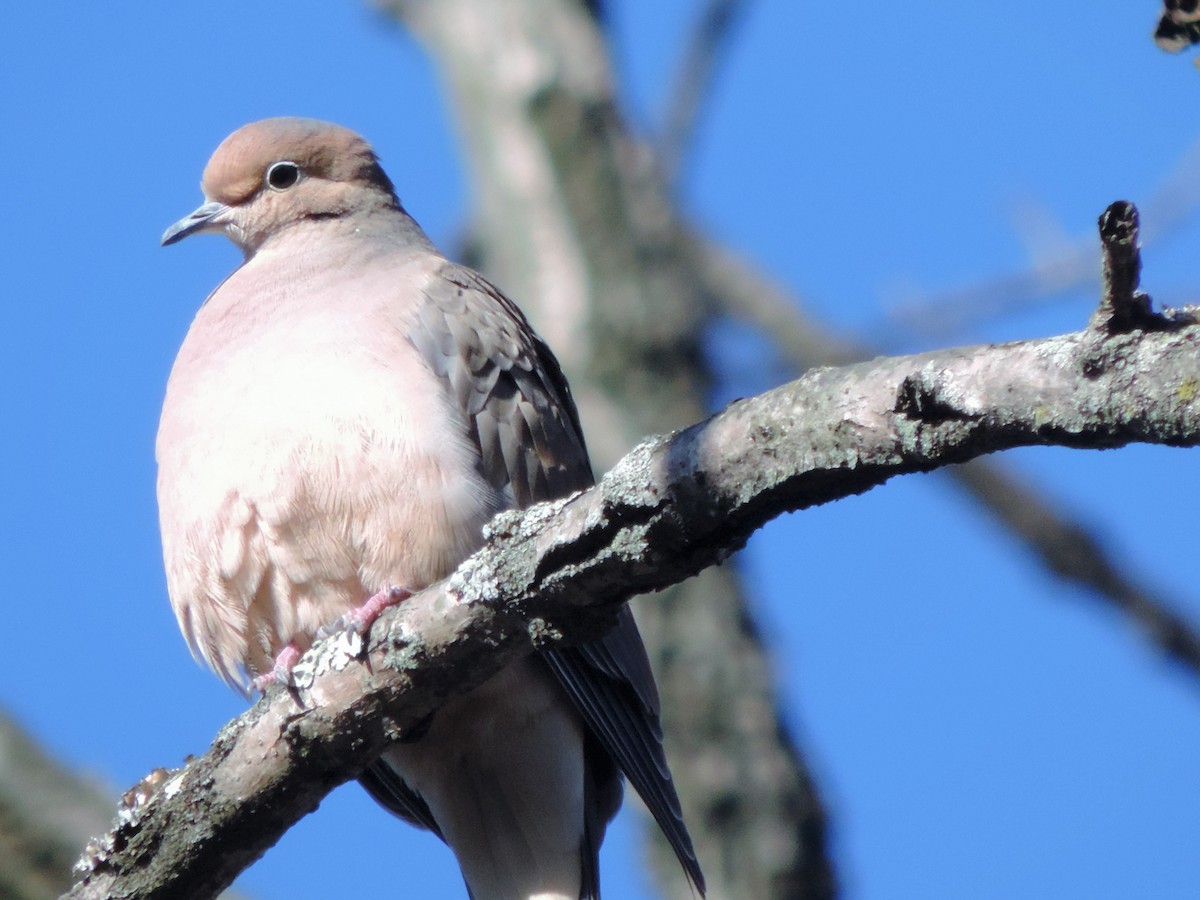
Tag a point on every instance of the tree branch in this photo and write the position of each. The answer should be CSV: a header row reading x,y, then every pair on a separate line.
x,y
47,812
1064,546
671,507
1122,305
692,84
1071,267
1073,553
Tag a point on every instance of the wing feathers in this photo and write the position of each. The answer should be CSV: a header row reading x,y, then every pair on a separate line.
x,y
518,409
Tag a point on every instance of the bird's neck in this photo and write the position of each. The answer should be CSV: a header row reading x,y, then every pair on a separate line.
x,y
382,225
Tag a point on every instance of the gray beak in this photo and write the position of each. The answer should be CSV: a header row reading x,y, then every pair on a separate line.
x,y
208,217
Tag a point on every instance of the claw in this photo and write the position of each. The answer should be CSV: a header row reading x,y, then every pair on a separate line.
x,y
360,619
282,670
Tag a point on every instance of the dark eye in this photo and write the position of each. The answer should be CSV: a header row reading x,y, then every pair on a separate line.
x,y
282,175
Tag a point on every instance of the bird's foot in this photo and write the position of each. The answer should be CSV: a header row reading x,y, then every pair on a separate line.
x,y
282,670
360,619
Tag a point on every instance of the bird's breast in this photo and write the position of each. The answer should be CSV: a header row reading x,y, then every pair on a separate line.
x,y
304,463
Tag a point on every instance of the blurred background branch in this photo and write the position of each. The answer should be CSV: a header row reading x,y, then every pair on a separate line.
x,y
47,814
1058,266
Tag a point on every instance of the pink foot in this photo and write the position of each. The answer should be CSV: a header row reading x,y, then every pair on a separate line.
x,y
361,618
281,671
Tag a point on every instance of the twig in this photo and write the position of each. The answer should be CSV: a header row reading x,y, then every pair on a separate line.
x,y
693,84
1122,305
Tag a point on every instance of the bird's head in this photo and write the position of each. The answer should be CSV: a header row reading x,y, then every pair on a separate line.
x,y
271,174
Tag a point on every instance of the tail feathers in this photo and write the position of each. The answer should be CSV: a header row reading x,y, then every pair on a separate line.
x,y
511,849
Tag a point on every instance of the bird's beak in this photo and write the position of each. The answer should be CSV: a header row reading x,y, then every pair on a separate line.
x,y
210,216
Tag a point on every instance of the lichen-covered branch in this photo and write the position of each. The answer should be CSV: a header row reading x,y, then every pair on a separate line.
x,y
672,507
1063,544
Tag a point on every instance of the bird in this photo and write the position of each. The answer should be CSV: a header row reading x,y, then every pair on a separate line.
x,y
348,409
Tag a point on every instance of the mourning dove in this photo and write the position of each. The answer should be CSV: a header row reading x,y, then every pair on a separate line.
x,y
348,409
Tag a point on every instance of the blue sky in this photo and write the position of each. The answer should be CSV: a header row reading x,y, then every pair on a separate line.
x,y
978,728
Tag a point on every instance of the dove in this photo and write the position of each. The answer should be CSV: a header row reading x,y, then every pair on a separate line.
x,y
347,411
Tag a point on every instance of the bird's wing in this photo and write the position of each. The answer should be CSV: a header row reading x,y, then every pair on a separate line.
x,y
507,385
521,415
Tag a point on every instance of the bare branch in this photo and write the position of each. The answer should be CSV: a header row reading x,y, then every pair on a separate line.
x,y
47,812
1073,553
1072,268
693,83
670,508
1063,545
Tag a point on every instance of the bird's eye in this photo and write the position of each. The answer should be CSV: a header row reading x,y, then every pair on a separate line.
x,y
282,175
